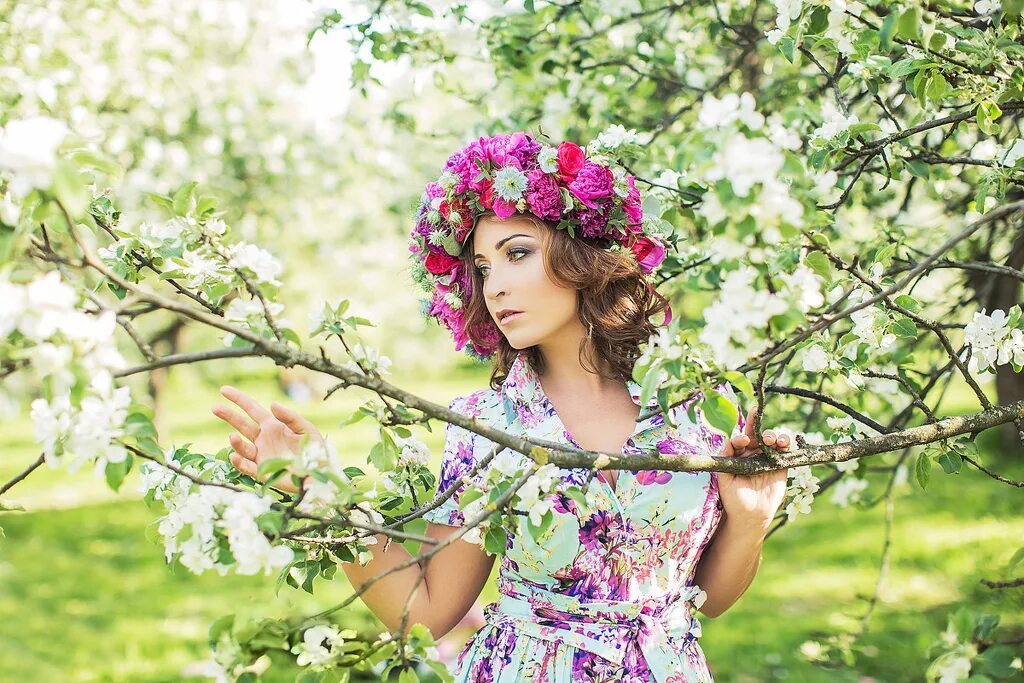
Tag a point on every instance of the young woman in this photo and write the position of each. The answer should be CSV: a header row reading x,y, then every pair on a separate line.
x,y
609,591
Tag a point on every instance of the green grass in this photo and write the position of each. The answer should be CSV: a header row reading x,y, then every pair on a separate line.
x,y
85,594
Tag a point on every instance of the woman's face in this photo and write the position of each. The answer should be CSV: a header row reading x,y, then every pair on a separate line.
x,y
508,254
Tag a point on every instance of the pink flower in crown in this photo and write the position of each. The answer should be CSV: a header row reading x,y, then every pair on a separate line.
x,y
594,181
451,318
592,222
459,164
458,215
631,205
435,190
543,198
439,264
524,148
649,253
570,159
488,334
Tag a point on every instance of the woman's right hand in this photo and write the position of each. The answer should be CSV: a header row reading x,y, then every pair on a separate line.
x,y
263,434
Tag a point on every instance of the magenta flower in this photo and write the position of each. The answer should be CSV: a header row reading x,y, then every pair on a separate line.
x,y
592,182
542,195
648,477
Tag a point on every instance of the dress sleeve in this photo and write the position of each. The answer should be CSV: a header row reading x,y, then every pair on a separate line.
x,y
458,459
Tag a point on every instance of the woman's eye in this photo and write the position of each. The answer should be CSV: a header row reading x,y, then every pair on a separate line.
x,y
514,250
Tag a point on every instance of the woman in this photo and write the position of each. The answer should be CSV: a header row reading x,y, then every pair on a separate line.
x,y
609,591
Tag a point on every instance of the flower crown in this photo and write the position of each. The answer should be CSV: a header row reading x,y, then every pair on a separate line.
x,y
587,192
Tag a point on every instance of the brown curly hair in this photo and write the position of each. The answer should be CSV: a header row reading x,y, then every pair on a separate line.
x,y
615,303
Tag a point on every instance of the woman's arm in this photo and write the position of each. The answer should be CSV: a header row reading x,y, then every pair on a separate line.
x,y
729,564
453,581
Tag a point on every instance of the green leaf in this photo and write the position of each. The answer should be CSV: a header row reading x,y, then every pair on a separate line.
x,y
819,263
886,32
1016,559
495,540
182,198
116,472
740,381
537,531
221,625
997,661
986,116
908,302
981,195
909,24
720,413
863,127
923,470
950,462
139,425
937,87
905,327
918,168
650,384
408,676
787,46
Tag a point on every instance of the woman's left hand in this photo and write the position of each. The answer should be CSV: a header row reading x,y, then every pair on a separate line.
x,y
753,498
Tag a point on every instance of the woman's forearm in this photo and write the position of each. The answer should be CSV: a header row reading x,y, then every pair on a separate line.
x,y
387,597
729,564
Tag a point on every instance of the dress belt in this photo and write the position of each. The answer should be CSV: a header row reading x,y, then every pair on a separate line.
x,y
602,627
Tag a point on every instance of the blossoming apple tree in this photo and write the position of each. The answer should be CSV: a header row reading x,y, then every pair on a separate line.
x,y
844,183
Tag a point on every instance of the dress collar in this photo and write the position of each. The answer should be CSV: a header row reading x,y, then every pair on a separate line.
x,y
522,386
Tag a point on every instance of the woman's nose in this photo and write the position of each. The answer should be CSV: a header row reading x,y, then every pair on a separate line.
x,y
493,286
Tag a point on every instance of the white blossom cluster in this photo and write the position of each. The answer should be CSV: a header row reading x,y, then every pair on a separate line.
x,y
610,139
800,491
321,646
850,488
79,434
413,460
732,107
62,345
732,321
28,152
993,341
249,314
534,496
256,260
838,22
369,357
834,122
200,518
747,162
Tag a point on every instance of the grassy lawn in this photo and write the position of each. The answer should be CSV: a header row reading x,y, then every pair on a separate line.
x,y
85,594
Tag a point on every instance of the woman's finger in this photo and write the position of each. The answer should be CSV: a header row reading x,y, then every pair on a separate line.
x,y
748,426
246,403
292,419
243,424
768,436
243,447
782,442
740,441
244,465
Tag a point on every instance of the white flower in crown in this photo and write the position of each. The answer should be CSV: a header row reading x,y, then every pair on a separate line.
x,y
510,183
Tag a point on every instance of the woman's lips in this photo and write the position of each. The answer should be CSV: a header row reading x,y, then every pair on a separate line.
x,y
508,318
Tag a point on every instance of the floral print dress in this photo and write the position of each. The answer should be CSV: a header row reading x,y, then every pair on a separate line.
x,y
607,593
